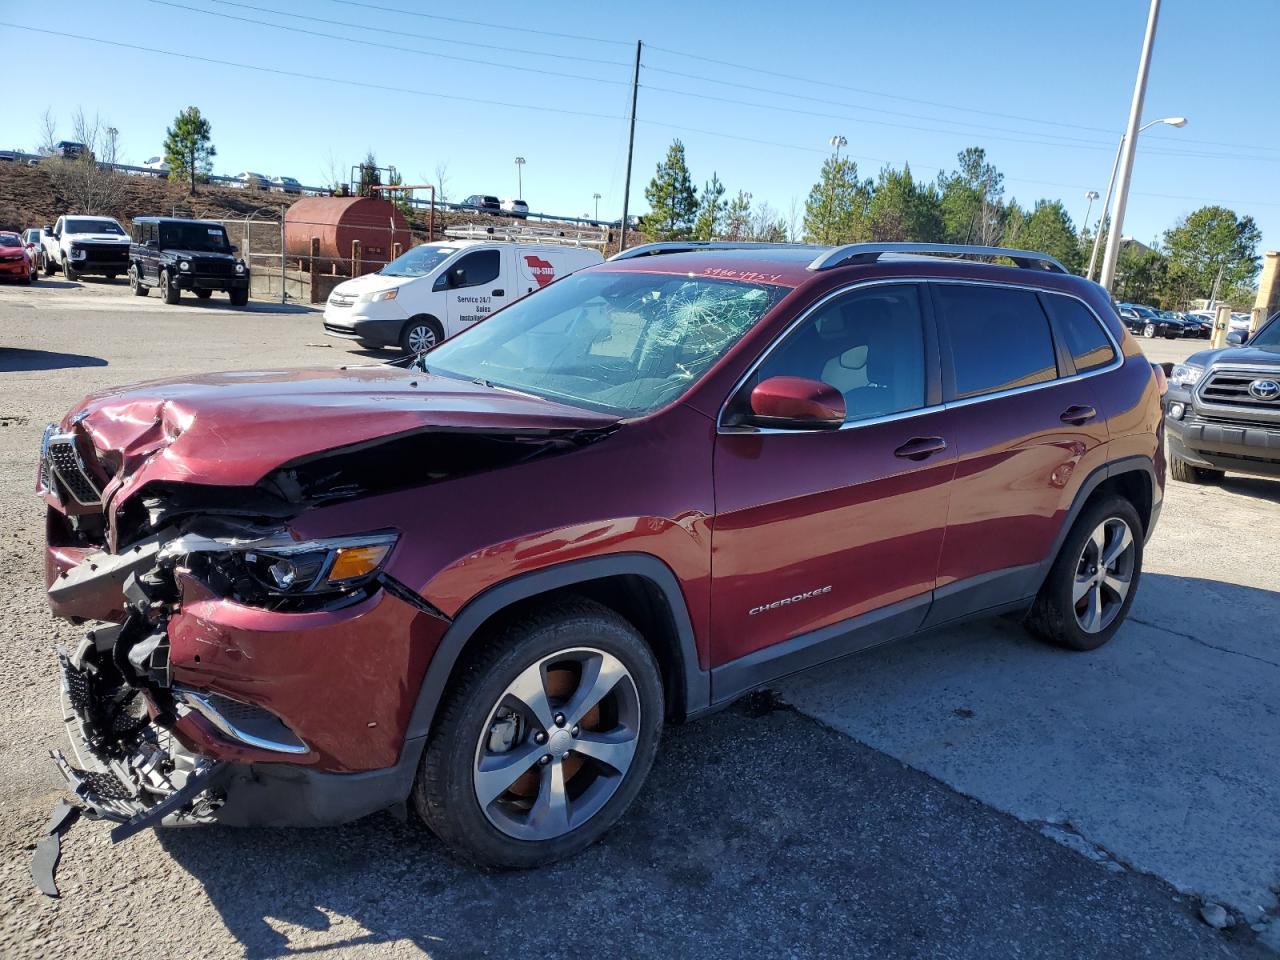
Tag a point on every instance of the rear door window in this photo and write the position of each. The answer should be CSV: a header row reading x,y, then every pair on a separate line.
x,y
1080,331
999,338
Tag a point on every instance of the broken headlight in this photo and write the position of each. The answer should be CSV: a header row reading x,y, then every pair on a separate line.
x,y
281,569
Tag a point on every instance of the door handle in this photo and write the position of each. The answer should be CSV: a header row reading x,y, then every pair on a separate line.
x,y
499,293
1078,415
919,448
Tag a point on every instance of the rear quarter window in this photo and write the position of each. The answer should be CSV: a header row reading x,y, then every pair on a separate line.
x,y
999,338
1081,332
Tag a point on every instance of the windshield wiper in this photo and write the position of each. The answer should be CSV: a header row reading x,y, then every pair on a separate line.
x,y
497,386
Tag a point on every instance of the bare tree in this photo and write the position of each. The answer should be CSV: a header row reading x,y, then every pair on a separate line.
x,y
793,220
333,174
442,181
48,133
89,183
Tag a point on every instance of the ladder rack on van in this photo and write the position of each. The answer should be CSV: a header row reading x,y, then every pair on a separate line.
x,y
568,236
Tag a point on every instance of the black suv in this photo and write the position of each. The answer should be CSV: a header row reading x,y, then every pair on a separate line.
x,y
1223,410
177,255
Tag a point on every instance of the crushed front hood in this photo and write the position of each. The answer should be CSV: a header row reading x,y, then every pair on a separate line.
x,y
233,428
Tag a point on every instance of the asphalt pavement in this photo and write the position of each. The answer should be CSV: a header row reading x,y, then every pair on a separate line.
x,y
969,794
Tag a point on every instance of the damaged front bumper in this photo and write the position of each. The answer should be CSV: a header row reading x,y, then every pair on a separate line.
x,y
198,708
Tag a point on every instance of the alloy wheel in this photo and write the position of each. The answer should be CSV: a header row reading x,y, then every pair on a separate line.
x,y
1149,330
1104,575
421,338
557,744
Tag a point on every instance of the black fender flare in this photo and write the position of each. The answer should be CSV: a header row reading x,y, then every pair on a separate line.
x,y
696,681
1134,464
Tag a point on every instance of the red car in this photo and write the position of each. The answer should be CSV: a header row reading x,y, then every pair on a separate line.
x,y
15,261
481,581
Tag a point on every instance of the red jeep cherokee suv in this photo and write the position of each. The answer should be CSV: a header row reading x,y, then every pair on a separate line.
x,y
482,579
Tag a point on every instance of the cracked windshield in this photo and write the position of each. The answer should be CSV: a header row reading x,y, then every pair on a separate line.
x,y
625,343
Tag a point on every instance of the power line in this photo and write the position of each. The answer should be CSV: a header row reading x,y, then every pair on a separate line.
x,y
477,23
433,94
942,105
384,46
504,48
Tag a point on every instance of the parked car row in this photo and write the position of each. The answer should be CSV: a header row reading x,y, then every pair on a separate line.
x,y
248,180
484,203
170,254
1152,322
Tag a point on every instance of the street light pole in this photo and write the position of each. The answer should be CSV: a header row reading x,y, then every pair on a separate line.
x,y
1106,203
1127,147
1091,196
519,178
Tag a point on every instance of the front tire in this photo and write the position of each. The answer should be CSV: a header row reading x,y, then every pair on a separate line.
x,y
204,294
135,283
168,289
47,265
239,298
69,271
1185,472
420,334
1093,581
544,740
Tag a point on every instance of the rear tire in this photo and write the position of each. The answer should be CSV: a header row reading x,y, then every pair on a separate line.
x,y
1080,605
542,664
135,283
239,298
1149,331
420,334
168,289
1185,472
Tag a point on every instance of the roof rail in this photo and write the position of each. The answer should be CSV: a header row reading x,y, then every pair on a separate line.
x,y
856,253
684,246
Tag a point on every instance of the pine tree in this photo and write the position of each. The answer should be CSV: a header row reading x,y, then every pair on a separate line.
x,y
673,199
188,147
836,211
902,209
737,220
711,211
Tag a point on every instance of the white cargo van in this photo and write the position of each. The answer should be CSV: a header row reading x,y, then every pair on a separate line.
x,y
437,289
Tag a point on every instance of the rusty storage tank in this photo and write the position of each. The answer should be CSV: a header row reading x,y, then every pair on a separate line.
x,y
337,222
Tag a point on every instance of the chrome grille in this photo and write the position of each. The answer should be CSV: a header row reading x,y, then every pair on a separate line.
x,y
62,460
341,300
1231,388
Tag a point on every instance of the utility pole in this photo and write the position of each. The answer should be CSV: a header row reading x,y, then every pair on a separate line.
x,y
1126,152
596,198
631,148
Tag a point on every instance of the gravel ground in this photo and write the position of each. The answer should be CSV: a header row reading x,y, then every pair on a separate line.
x,y
761,830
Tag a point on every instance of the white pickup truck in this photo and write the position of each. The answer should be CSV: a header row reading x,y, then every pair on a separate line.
x,y
85,245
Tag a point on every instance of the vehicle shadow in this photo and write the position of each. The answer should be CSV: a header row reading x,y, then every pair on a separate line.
x,y
46,283
757,827
15,359
223,305
1259,487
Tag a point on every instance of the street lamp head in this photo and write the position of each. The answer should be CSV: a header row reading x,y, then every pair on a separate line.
x,y
838,141
519,159
1091,195
1175,121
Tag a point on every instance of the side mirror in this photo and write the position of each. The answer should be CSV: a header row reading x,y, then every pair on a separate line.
x,y
150,245
797,403
47,228
234,248
1237,338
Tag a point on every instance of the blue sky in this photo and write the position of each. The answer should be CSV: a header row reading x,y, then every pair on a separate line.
x,y
1043,86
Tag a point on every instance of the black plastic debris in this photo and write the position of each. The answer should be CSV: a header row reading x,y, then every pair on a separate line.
x,y
44,862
